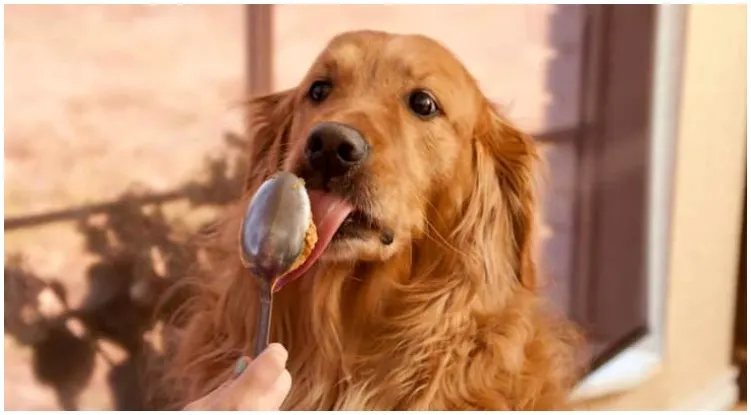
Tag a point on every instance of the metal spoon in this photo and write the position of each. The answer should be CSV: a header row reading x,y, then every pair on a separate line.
x,y
272,238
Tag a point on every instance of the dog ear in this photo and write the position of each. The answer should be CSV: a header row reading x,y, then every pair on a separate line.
x,y
509,159
269,120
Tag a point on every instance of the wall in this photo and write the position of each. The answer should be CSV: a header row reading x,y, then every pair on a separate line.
x,y
99,99
706,220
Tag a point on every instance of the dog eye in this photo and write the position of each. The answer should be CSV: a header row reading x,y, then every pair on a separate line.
x,y
423,104
319,90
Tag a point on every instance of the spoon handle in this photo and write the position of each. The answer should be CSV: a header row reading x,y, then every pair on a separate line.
x,y
264,319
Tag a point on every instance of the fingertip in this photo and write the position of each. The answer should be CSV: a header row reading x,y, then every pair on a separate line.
x,y
278,350
277,346
264,369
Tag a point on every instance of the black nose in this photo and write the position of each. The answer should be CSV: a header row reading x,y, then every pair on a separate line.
x,y
334,149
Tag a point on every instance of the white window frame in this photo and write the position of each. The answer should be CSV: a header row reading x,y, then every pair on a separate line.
x,y
641,361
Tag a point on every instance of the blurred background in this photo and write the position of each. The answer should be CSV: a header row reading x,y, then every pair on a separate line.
x,y
124,135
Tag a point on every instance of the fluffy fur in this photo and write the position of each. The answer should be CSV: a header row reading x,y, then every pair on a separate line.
x,y
448,317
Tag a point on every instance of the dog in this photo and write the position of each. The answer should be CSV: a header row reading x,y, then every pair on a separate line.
x,y
426,296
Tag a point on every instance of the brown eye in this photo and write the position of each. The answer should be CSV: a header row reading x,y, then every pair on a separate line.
x,y
319,90
423,104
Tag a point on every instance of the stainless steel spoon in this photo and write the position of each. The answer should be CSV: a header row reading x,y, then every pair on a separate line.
x,y
272,239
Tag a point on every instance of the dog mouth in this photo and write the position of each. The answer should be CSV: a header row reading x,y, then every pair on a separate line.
x,y
336,220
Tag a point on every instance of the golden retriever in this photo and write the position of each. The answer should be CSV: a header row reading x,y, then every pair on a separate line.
x,y
426,294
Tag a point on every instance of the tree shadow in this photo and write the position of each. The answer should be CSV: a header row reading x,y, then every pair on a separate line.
x,y
140,253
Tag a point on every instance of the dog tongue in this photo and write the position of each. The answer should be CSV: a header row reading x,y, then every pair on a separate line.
x,y
329,211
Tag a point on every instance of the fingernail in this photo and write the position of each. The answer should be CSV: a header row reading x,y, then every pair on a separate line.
x,y
240,366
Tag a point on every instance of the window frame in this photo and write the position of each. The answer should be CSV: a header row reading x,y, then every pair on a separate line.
x,y
639,362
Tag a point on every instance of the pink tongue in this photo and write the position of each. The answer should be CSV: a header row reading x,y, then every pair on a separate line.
x,y
329,211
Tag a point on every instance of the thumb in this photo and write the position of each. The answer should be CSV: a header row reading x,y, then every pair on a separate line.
x,y
264,384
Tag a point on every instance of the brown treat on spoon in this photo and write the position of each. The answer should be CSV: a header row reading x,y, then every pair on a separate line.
x,y
311,237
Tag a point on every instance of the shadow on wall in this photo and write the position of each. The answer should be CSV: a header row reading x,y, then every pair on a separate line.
x,y
140,254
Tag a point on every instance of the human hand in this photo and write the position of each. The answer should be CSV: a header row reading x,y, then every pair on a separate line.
x,y
260,384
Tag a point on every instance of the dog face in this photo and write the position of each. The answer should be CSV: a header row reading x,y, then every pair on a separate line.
x,y
395,126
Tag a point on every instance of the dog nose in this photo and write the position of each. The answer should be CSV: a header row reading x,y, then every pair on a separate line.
x,y
334,149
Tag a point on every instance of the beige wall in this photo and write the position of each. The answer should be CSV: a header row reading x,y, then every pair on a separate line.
x,y
99,99
706,217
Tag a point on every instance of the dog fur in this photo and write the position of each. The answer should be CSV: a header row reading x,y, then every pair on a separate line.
x,y
449,315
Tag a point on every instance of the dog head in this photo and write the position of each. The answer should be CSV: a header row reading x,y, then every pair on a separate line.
x,y
396,143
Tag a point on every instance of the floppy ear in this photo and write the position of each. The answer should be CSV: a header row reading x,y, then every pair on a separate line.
x,y
269,120
507,160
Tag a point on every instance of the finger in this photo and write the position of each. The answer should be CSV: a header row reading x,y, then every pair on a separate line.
x,y
240,365
198,405
217,399
267,367
214,400
255,384
271,398
260,377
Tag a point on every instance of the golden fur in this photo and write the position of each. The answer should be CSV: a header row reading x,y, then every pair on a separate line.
x,y
446,317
